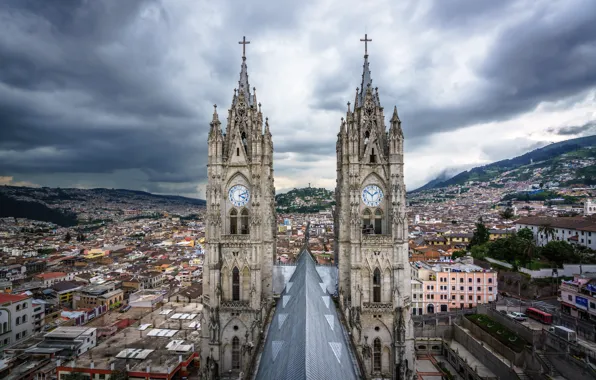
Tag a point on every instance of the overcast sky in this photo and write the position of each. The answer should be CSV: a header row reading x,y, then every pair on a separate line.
x,y
112,93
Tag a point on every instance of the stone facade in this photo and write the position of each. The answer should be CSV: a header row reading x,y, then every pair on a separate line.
x,y
239,237
372,233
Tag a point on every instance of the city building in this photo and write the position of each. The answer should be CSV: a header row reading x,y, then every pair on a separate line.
x,y
575,230
16,318
445,287
96,295
578,296
50,278
69,342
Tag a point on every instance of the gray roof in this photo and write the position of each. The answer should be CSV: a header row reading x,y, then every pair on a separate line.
x,y
306,339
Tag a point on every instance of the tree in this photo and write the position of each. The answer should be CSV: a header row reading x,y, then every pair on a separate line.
x,y
507,213
458,254
547,230
481,234
479,251
558,252
526,233
67,237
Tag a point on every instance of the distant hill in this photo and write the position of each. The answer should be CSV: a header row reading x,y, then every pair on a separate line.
x,y
555,158
11,207
57,205
305,200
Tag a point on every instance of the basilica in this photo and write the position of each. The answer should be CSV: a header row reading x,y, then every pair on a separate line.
x,y
358,327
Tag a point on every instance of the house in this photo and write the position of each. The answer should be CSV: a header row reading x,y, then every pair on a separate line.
x,y
64,291
50,278
574,230
16,318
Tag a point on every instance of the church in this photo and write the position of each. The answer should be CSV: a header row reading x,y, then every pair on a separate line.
x,y
359,326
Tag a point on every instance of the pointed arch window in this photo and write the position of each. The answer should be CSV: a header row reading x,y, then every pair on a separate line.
x,y
377,285
373,156
366,224
233,222
235,284
377,355
366,139
244,230
235,353
378,222
244,143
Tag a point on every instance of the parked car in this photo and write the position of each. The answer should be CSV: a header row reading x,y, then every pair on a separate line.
x,y
125,309
505,294
517,316
504,312
563,332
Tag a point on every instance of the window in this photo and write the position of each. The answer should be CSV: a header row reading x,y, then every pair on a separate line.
x,y
378,222
366,225
478,298
24,318
244,222
235,284
490,288
25,305
477,280
234,222
469,288
490,280
479,288
18,336
570,297
470,280
236,353
18,307
18,321
461,280
377,285
470,298
461,298
461,288
373,156
453,288
453,279
237,151
377,355
592,305
453,297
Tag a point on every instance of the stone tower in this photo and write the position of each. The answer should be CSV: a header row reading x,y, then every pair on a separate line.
x,y
372,235
239,235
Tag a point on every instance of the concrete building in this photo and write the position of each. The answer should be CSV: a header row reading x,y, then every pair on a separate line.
x,y
447,287
578,296
145,298
70,341
372,235
95,295
575,230
16,318
589,207
50,278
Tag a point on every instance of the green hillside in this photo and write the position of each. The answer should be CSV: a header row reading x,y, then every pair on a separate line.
x,y
305,200
570,162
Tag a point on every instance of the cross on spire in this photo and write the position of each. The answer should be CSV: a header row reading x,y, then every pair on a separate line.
x,y
244,42
366,40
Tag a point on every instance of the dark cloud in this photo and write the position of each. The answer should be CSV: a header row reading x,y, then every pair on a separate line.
x,y
575,130
97,90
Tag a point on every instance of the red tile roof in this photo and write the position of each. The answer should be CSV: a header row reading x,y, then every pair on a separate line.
x,y
50,275
12,297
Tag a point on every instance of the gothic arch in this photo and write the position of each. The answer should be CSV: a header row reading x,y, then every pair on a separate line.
x,y
377,350
244,221
237,178
386,297
233,221
374,179
236,284
377,286
245,281
225,283
235,322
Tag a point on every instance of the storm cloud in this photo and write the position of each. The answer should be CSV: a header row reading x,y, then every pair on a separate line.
x,y
120,93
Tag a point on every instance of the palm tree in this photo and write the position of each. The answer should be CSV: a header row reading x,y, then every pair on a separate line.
x,y
547,230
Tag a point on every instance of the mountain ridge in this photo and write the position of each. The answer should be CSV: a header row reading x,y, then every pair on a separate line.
x,y
486,172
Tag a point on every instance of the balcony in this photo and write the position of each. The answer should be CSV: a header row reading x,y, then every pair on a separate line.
x,y
235,305
377,239
377,307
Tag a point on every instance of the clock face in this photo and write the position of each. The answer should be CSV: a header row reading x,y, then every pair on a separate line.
x,y
239,195
372,195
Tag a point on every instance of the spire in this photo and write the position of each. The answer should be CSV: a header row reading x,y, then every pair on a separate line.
x,y
243,85
366,77
215,115
395,123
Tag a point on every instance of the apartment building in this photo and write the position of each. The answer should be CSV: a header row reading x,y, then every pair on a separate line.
x,y
575,230
72,341
445,287
95,295
50,278
578,296
16,318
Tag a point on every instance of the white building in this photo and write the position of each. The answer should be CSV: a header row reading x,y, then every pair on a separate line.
x,y
575,230
16,318
589,207
74,341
